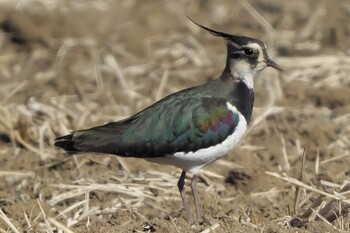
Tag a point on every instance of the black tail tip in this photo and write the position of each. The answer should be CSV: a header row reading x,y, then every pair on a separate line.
x,y
66,142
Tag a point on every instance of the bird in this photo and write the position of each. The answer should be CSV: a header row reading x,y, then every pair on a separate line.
x,y
188,129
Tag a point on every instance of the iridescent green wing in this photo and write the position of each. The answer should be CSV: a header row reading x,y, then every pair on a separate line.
x,y
182,126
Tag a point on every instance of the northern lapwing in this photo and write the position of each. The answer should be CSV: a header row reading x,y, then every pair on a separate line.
x,y
191,128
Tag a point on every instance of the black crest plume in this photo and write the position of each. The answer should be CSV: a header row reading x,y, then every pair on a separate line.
x,y
213,32
237,40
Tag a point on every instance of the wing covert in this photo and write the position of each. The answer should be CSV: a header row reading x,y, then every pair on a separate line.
x,y
184,126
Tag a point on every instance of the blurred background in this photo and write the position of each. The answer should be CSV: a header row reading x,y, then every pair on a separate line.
x,y
67,65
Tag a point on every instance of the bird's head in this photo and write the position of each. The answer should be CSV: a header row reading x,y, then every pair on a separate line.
x,y
245,56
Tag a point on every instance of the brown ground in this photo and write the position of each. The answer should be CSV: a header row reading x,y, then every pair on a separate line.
x,y
68,65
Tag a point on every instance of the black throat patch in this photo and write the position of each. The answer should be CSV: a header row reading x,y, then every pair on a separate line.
x,y
243,99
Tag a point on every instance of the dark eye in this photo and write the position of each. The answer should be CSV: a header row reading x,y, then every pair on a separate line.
x,y
248,52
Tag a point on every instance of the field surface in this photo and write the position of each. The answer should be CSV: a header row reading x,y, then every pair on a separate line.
x,y
67,65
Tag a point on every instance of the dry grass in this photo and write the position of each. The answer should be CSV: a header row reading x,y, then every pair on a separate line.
x,y
80,68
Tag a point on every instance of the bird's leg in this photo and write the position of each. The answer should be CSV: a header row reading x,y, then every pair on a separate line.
x,y
180,185
195,197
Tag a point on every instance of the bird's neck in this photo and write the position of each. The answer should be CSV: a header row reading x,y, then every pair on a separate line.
x,y
240,91
235,76
247,78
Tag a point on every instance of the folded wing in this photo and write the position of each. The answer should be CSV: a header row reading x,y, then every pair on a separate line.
x,y
162,129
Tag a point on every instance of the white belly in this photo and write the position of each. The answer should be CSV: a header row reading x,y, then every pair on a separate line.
x,y
194,161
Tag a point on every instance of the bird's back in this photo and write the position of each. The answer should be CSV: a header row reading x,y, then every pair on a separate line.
x,y
185,121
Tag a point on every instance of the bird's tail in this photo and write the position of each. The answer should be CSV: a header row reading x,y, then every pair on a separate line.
x,y
104,139
66,142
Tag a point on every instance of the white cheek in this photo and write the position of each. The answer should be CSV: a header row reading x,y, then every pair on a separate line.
x,y
242,68
243,71
260,66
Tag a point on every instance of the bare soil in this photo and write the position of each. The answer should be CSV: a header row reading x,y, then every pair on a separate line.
x,y
69,65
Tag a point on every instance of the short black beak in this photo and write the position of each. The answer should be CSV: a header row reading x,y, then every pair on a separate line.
x,y
273,64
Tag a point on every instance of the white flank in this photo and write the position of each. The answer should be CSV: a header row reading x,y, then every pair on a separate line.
x,y
194,161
